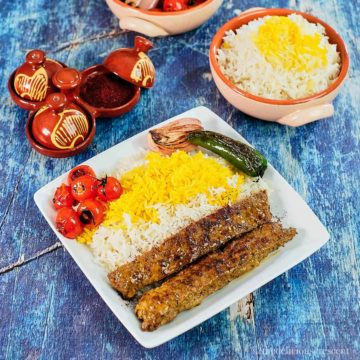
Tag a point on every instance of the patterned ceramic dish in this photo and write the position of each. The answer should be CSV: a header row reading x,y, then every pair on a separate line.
x,y
285,204
32,87
154,23
288,112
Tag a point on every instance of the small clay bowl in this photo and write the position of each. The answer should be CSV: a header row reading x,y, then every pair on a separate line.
x,y
293,112
25,104
100,112
61,153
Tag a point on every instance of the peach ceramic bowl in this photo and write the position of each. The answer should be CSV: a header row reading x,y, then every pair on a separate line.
x,y
294,112
157,23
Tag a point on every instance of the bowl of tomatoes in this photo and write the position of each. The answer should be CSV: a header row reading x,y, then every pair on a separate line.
x,y
82,200
166,17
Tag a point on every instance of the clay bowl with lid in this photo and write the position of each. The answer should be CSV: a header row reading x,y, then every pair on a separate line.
x,y
31,82
158,23
293,112
60,128
63,123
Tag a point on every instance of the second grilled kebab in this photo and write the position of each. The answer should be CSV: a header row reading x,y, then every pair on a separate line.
x,y
192,285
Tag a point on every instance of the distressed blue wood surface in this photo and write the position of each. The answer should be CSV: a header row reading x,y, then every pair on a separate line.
x,y
49,310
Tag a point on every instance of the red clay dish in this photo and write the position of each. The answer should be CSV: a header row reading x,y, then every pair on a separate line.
x,y
31,82
60,124
60,128
64,123
114,98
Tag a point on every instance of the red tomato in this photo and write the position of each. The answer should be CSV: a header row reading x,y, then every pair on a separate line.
x,y
80,170
84,187
68,223
174,5
62,197
91,212
109,189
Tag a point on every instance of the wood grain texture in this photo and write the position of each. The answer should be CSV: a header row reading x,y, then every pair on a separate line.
x,y
50,311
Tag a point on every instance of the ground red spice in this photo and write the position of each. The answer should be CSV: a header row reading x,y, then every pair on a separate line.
x,y
107,90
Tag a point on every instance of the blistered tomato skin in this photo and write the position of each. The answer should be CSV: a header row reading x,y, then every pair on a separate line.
x,y
84,187
174,5
109,188
80,170
91,213
68,223
62,197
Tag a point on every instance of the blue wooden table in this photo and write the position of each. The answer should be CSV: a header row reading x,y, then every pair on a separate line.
x,y
48,308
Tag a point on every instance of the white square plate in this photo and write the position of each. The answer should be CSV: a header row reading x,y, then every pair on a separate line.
x,y
285,203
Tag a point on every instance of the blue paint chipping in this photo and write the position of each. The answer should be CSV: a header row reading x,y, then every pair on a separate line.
x,y
48,308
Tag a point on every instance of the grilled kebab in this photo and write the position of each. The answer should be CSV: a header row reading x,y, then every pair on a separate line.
x,y
192,285
190,243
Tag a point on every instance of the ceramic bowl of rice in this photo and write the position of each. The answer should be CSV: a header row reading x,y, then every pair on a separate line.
x,y
279,65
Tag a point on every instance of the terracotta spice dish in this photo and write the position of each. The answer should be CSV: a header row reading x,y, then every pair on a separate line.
x,y
65,102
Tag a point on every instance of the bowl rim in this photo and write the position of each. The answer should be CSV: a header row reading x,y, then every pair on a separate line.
x,y
249,16
163,13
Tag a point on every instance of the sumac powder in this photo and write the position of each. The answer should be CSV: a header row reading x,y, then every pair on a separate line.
x,y
107,90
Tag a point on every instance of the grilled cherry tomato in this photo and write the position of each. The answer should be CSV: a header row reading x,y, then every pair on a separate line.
x,y
174,5
68,223
84,187
80,170
91,212
62,197
109,189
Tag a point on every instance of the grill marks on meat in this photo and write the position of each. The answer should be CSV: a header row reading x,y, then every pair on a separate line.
x,y
190,243
192,285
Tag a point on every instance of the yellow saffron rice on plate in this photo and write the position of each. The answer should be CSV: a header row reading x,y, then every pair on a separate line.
x,y
162,195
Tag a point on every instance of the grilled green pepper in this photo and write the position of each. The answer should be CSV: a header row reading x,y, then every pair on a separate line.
x,y
242,156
